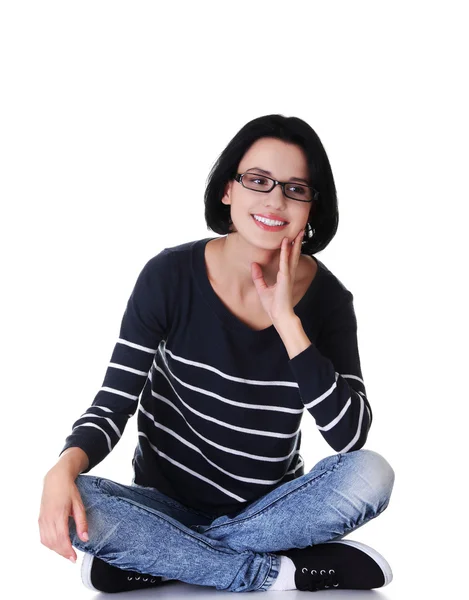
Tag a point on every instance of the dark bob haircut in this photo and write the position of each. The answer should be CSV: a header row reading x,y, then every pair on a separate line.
x,y
324,214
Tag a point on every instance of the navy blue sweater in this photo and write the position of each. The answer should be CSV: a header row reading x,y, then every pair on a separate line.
x,y
220,404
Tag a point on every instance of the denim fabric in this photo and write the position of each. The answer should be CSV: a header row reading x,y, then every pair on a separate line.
x,y
140,529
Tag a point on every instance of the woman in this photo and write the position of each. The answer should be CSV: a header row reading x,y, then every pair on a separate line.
x,y
226,341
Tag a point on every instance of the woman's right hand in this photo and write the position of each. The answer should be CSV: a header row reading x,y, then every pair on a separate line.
x,y
61,500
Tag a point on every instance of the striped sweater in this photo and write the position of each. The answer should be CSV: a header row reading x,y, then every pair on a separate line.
x,y
220,404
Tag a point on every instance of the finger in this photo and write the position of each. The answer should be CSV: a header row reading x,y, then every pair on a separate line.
x,y
284,256
63,544
258,276
298,242
296,252
79,514
47,533
53,540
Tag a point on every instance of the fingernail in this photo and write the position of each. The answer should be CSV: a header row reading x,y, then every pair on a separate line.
x,y
85,536
73,559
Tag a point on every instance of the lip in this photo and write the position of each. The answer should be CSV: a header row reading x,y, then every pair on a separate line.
x,y
268,227
270,216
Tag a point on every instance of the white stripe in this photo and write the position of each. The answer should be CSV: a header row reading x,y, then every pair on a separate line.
x,y
331,389
181,466
119,393
103,407
97,427
323,396
367,410
298,466
124,368
353,377
224,375
275,434
293,411
223,448
109,410
337,419
357,435
199,451
110,421
136,346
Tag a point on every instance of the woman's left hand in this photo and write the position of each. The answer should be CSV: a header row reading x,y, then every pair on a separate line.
x,y
277,300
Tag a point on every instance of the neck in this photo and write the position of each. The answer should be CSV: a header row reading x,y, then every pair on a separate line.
x,y
236,255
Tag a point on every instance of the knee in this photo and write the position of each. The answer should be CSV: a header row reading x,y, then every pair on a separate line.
x,y
86,484
377,474
88,488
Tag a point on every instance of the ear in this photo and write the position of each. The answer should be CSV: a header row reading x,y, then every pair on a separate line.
x,y
227,195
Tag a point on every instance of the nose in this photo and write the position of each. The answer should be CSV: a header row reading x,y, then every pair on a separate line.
x,y
276,196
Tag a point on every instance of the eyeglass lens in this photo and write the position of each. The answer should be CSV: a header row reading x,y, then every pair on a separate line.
x,y
264,184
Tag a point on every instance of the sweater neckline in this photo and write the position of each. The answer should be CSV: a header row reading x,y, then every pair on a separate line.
x,y
224,314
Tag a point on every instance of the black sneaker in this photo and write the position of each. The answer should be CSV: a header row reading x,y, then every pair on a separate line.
x,y
344,564
100,576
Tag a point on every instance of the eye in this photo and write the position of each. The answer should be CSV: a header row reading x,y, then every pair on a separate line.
x,y
297,189
259,180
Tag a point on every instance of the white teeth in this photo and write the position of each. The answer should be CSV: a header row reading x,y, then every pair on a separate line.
x,y
268,221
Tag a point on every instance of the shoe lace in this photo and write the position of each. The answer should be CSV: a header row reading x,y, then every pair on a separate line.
x,y
318,580
142,578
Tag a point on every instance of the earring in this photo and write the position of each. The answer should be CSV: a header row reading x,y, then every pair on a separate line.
x,y
309,232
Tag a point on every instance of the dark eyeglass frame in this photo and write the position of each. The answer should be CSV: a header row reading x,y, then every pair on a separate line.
x,y
282,184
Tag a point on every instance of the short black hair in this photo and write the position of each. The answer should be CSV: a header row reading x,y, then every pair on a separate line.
x,y
324,213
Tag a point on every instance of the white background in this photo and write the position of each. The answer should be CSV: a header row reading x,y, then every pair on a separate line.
x,y
106,105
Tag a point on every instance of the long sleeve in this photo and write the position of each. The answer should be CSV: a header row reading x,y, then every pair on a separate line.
x,y
331,383
143,326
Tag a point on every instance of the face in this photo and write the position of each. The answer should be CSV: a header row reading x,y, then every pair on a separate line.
x,y
286,162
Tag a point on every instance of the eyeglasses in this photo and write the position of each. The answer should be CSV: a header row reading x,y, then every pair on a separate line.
x,y
261,183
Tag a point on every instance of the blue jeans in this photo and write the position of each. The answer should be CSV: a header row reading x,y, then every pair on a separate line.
x,y
138,528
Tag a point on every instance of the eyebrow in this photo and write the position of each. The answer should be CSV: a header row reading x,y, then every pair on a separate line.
x,y
269,173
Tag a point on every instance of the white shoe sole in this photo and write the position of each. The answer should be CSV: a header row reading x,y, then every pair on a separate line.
x,y
376,556
86,571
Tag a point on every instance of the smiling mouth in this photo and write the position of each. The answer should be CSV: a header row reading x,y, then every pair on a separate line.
x,y
267,227
282,223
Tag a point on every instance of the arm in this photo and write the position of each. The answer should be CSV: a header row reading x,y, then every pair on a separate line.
x,y
72,462
329,377
144,324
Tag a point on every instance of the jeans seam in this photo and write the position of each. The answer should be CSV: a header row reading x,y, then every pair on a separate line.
x,y
268,572
204,542
164,500
266,508
365,521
